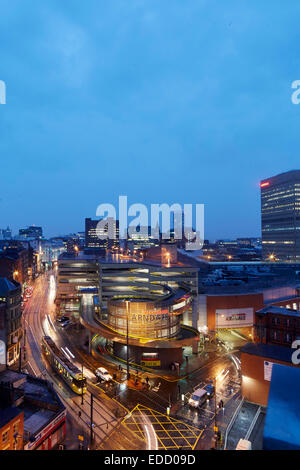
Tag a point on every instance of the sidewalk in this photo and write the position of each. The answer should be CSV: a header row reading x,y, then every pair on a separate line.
x,y
223,419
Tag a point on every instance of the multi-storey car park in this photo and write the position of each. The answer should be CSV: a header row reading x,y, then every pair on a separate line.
x,y
152,302
168,306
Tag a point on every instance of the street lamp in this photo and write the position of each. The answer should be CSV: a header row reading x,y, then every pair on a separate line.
x,y
82,384
127,340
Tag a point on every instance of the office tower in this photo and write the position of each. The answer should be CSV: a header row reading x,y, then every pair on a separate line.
x,y
92,240
280,217
5,234
31,232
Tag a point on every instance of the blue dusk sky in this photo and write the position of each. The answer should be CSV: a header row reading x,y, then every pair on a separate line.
x,y
163,101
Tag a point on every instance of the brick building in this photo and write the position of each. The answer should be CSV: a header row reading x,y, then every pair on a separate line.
x,y
10,319
41,414
277,325
256,369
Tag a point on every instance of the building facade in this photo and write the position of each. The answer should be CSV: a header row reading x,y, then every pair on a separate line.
x,y
278,325
11,428
256,369
10,319
31,232
280,217
39,420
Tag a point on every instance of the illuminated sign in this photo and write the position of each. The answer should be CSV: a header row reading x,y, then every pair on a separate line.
x,y
2,352
268,367
239,316
263,185
183,303
150,363
148,318
234,317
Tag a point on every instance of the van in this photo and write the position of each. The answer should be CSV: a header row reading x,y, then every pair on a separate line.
x,y
198,398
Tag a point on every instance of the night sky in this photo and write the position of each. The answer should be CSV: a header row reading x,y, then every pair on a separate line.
x,y
163,101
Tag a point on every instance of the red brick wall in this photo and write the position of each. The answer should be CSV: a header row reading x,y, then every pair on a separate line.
x,y
254,387
216,302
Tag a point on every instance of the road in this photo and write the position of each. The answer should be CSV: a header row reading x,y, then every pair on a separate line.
x,y
39,320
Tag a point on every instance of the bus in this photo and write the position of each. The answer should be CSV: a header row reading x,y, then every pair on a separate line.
x,y
68,371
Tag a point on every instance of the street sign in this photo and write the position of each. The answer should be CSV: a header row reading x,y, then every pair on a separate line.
x,y
215,428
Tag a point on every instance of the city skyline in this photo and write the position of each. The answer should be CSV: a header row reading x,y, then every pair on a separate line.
x,y
149,229
167,105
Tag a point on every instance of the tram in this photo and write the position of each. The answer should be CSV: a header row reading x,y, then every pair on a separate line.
x,y
68,371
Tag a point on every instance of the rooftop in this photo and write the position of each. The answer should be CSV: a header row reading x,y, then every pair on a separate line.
x,y
7,414
283,407
270,351
40,404
7,286
119,259
279,311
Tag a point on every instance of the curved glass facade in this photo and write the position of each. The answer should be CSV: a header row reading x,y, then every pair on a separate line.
x,y
145,320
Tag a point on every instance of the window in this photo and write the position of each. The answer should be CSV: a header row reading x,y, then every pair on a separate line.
x,y
16,427
288,322
5,436
274,335
287,338
275,320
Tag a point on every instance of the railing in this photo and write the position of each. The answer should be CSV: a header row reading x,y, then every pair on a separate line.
x,y
253,424
228,429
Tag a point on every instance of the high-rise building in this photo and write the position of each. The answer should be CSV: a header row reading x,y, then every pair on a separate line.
x,y
31,232
280,217
5,234
93,241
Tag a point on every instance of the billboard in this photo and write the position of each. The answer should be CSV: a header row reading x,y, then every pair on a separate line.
x,y
234,317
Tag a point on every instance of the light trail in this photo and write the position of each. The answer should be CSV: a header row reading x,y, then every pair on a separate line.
x,y
150,433
69,352
66,354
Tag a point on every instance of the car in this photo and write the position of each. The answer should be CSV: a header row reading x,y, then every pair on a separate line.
x,y
65,323
63,319
103,374
210,390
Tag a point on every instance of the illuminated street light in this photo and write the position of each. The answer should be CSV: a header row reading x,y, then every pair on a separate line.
x,y
127,339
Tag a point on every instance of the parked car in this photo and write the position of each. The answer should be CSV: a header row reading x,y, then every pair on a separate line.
x,y
65,323
103,374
